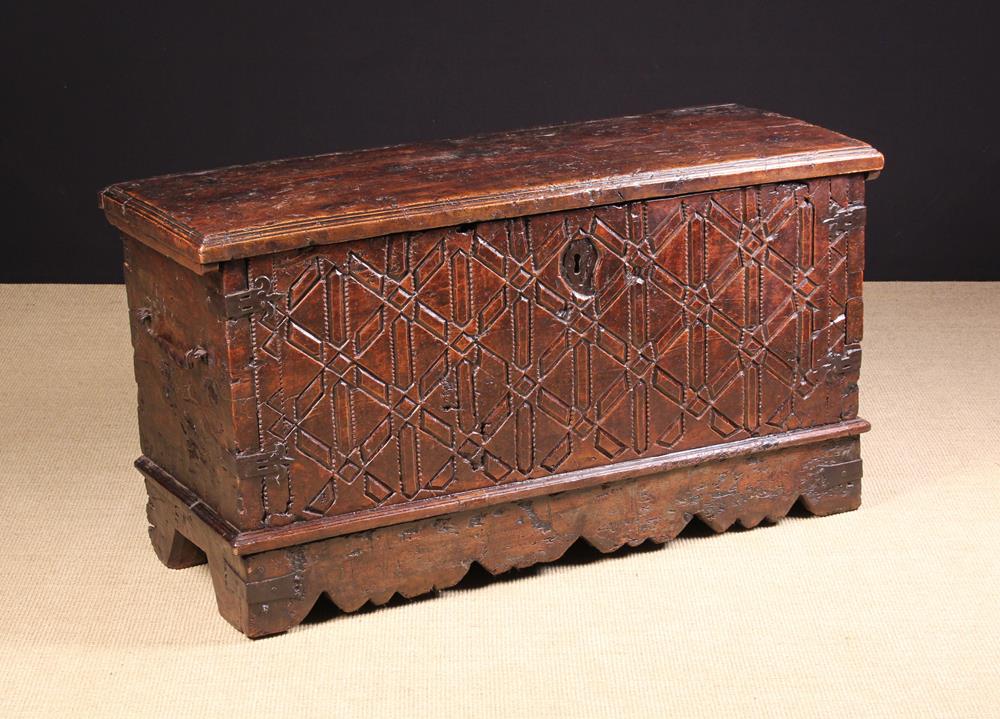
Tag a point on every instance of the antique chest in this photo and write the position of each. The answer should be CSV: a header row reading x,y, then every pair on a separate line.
x,y
358,373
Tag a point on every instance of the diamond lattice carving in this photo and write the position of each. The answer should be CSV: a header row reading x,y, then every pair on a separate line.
x,y
407,367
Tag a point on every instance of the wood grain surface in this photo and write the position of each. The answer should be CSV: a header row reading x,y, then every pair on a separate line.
x,y
272,591
207,217
665,321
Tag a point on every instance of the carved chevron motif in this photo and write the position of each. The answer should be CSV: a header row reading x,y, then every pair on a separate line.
x,y
428,364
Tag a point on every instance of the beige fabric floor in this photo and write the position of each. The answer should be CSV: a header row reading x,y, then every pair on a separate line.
x,y
891,610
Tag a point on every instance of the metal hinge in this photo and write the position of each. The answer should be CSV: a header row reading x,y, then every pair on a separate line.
x,y
846,219
287,586
269,464
263,591
843,365
841,474
257,300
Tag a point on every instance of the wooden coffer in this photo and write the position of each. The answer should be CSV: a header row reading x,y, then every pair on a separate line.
x,y
360,372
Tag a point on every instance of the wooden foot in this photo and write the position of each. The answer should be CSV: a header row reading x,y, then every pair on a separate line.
x,y
272,591
173,548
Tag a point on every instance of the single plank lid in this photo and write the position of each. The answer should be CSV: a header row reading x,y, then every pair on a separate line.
x,y
202,218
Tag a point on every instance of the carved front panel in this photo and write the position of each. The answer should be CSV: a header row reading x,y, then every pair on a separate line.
x,y
404,368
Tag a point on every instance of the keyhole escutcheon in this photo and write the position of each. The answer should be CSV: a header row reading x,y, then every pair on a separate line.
x,y
578,263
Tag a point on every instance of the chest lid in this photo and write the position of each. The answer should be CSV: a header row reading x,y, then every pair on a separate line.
x,y
202,218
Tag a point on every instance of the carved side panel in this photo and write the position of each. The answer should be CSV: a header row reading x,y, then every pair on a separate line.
x,y
413,366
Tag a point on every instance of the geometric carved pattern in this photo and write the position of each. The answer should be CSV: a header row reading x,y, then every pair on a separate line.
x,y
417,365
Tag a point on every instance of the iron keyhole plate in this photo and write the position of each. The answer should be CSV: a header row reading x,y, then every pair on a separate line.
x,y
578,263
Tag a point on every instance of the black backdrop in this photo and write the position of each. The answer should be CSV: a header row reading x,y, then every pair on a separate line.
x,y
100,94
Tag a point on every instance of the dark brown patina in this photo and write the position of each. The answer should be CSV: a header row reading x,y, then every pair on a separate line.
x,y
360,372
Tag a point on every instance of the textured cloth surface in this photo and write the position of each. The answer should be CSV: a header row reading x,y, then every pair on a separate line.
x,y
890,610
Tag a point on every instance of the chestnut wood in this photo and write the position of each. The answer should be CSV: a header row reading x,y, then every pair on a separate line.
x,y
272,591
207,217
304,393
253,541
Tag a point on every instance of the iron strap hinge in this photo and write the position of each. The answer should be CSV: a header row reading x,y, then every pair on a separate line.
x,y
264,591
287,586
843,365
846,219
258,299
268,464
833,476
